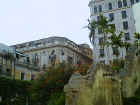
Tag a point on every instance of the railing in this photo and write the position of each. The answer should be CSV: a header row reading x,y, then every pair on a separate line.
x,y
27,65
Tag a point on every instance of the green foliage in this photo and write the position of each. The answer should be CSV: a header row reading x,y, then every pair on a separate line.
x,y
57,99
137,42
133,100
13,91
48,90
51,84
118,64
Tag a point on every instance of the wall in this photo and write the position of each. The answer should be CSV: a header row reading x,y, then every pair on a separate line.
x,y
136,11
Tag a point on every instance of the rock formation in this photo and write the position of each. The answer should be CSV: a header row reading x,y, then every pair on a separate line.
x,y
98,88
101,86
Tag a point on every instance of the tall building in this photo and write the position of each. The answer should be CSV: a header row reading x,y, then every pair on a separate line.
x,y
121,14
136,11
54,50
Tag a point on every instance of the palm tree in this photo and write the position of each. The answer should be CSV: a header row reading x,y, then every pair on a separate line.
x,y
103,25
116,42
137,41
92,25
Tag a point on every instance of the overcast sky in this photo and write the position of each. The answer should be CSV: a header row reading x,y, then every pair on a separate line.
x,y
27,20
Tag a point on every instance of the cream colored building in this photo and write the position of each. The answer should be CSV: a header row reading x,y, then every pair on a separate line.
x,y
12,68
54,50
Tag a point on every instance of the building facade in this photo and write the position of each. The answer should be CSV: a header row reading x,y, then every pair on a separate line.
x,y
136,9
54,50
12,68
6,60
121,14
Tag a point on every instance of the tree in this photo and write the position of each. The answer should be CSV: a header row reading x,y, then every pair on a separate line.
x,y
92,27
137,42
104,28
116,42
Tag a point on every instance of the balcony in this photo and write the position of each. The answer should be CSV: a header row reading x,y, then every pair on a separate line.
x,y
27,65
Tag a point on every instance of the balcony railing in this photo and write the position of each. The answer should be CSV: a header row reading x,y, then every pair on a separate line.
x,y
27,65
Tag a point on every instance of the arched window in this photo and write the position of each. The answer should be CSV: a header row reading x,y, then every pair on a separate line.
x,y
95,10
100,8
125,3
110,6
119,4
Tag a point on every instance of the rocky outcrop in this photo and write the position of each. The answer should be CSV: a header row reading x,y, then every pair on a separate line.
x,y
100,87
131,80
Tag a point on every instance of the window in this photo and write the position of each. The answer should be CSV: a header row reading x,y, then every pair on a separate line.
x,y
95,10
127,36
132,2
137,1
115,51
100,8
8,70
110,6
101,40
70,60
52,53
28,60
98,18
32,77
124,15
62,53
111,16
22,76
125,3
119,4
101,52
125,25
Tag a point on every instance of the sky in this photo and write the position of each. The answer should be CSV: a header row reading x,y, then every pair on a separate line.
x,y
28,20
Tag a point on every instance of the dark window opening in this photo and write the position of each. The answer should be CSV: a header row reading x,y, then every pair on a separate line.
x,y
125,25
132,2
52,52
101,40
100,8
127,36
137,1
119,4
70,60
115,51
28,60
62,53
95,9
125,3
32,77
101,52
22,76
110,6
111,16
8,70
124,14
